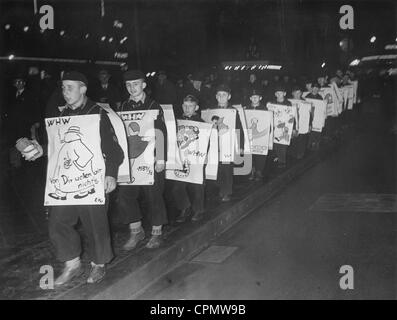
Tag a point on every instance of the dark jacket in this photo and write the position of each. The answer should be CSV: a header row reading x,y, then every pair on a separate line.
x,y
111,95
112,152
261,106
314,96
159,123
195,117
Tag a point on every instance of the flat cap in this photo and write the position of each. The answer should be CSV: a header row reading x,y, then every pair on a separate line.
x,y
256,91
75,76
223,87
131,75
279,87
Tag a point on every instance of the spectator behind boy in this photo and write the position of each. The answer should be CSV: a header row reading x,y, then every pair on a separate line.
x,y
106,92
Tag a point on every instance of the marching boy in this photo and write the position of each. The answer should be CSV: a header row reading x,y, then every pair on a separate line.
x,y
280,150
314,136
258,160
94,219
181,189
153,194
225,169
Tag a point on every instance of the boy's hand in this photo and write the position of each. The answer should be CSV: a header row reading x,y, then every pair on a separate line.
x,y
38,147
110,184
159,166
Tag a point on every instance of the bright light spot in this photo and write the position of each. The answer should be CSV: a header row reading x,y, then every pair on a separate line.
x,y
103,38
7,26
110,39
123,40
26,29
273,67
11,56
147,74
153,74
87,35
323,65
373,39
253,67
62,33
355,62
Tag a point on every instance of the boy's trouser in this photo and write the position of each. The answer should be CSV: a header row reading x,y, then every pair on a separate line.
x,y
280,151
300,145
225,178
181,191
153,194
66,239
314,139
258,162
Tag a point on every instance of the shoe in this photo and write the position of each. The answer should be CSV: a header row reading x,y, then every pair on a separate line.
x,y
198,216
154,242
183,215
134,240
97,274
225,198
56,196
81,196
68,274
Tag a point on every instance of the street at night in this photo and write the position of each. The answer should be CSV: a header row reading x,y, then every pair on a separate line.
x,y
181,150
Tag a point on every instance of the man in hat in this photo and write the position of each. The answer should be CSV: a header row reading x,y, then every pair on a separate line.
x,y
105,92
128,195
63,218
164,90
193,87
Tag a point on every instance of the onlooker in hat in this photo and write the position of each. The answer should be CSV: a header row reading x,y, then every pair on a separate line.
x,y
94,219
164,90
193,87
105,92
128,195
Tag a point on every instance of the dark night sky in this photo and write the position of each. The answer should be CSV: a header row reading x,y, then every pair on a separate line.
x,y
186,35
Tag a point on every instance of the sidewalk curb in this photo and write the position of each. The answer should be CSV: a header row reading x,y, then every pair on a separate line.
x,y
138,270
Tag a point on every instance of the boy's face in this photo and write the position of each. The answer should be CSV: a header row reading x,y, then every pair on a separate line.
x,y
135,87
280,95
255,99
222,97
297,94
308,87
315,90
189,108
73,91
321,81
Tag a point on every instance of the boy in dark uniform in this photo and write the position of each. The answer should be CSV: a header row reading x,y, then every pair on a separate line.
x,y
62,219
258,161
181,189
314,136
225,170
280,150
128,195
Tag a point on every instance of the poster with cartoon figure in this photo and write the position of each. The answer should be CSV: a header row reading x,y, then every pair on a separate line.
x,y
304,109
173,156
224,120
319,114
260,126
330,97
192,141
118,126
76,168
283,121
139,127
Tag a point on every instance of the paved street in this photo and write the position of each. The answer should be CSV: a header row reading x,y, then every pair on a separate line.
x,y
294,246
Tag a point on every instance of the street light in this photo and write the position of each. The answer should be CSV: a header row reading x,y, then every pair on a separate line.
x,y
26,29
103,38
323,65
61,33
11,57
373,39
7,26
110,40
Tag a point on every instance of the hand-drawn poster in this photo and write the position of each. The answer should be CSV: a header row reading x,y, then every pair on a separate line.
x,y
283,121
304,108
349,93
139,127
192,140
76,168
331,100
118,126
339,97
355,86
241,113
212,161
173,156
225,121
260,125
319,114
